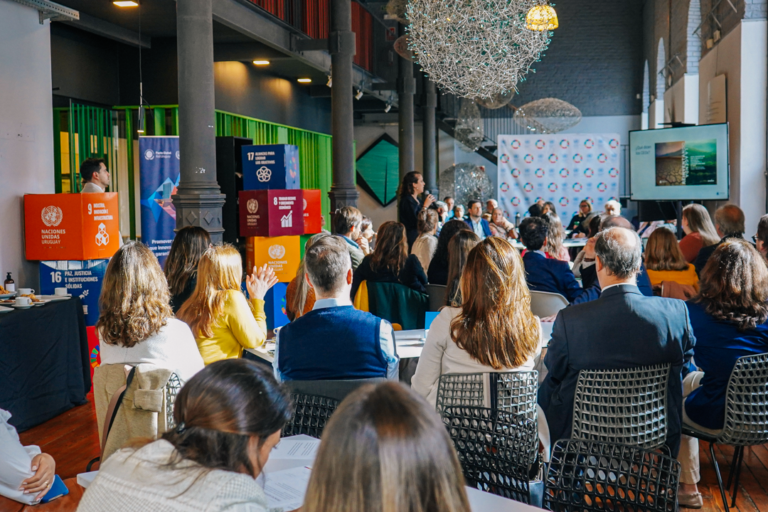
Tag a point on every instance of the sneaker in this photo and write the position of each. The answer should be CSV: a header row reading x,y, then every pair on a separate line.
x,y
690,500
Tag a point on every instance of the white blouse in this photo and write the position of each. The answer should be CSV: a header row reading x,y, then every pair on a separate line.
x,y
173,347
15,462
441,355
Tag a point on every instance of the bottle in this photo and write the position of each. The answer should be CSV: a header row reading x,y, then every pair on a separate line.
x,y
517,219
9,284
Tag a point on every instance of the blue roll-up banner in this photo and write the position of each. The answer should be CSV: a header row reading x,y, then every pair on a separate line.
x,y
159,178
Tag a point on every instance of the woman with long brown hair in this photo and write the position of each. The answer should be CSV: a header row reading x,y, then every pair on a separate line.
x,y
222,320
664,260
409,205
390,262
493,330
729,317
228,418
385,450
188,246
299,296
136,323
699,231
458,250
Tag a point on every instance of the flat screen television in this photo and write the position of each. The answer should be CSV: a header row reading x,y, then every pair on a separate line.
x,y
679,164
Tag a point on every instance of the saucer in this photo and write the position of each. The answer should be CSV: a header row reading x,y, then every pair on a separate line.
x,y
18,306
4,309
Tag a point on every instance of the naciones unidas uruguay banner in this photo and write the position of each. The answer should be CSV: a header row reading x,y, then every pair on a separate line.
x,y
159,178
562,168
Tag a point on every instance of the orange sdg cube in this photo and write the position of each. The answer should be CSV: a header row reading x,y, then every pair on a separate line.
x,y
281,253
71,226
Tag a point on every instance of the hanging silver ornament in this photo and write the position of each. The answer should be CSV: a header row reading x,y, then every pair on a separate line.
x,y
465,182
401,47
548,115
469,126
497,101
475,48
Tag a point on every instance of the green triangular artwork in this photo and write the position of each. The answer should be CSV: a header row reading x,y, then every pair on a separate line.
x,y
378,170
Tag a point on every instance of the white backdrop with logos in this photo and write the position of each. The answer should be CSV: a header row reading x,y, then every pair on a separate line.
x,y
562,168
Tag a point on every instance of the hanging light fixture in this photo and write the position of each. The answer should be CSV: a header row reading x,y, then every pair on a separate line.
x,y
142,114
541,18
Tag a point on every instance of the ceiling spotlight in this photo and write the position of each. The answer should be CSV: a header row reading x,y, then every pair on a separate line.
x,y
304,80
261,62
125,3
329,83
359,94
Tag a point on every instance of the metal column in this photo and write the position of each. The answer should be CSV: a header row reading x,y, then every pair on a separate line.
x,y
429,136
198,200
406,88
342,46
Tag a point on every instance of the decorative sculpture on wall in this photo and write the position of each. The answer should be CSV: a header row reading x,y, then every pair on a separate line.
x,y
469,126
465,182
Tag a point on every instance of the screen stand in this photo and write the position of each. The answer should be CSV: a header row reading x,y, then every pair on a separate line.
x,y
679,211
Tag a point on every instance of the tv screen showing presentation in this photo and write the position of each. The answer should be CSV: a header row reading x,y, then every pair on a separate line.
x,y
673,164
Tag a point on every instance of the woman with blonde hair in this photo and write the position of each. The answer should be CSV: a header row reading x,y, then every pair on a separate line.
x,y
222,320
458,250
425,245
299,296
555,248
493,330
136,323
699,231
664,260
384,450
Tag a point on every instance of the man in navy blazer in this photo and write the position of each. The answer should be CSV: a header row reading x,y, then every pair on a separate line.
x,y
545,274
621,329
475,220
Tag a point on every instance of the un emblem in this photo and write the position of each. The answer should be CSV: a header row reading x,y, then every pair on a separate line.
x,y
149,155
252,205
276,252
52,216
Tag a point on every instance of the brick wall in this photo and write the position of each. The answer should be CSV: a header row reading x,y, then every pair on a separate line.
x,y
595,59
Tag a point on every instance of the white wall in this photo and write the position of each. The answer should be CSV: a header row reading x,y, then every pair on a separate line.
x,y
682,100
741,56
26,130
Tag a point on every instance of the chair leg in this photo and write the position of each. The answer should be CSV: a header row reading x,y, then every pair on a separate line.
x,y
719,478
732,469
738,474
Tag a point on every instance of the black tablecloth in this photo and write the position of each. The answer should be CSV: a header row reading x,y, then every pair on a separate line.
x,y
44,367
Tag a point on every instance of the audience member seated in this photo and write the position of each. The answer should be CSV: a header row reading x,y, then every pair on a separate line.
x,y
664,261
335,341
542,273
136,323
476,222
410,190
555,238
536,209
223,321
299,296
346,224
729,318
385,449
622,329
578,225
500,226
26,474
549,208
589,272
449,203
424,246
229,417
367,232
490,205
390,262
438,267
699,231
458,212
761,238
442,212
458,249
493,330
188,246
729,223
593,222
612,207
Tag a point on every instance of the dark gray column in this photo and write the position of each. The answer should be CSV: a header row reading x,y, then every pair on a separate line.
x,y
342,46
198,200
406,88
429,136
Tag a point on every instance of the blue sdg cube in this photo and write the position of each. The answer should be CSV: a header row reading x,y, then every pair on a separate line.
x,y
272,166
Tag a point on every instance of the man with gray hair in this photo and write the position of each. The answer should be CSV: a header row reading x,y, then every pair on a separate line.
x,y
334,341
622,329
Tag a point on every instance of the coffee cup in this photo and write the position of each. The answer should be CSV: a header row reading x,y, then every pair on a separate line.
x,y
23,301
26,291
61,292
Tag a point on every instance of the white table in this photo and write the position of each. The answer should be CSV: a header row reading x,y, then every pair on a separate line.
x,y
568,243
479,501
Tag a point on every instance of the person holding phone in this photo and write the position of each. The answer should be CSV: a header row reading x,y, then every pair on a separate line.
x,y
26,474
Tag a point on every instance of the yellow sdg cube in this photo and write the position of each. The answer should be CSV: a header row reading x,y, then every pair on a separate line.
x,y
281,253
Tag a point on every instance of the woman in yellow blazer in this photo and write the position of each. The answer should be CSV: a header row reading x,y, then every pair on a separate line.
x,y
223,321
664,260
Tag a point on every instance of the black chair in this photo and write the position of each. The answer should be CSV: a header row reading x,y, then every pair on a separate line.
x,y
310,415
588,475
437,296
496,449
336,389
507,391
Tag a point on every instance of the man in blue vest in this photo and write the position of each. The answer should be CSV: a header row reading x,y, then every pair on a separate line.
x,y
334,341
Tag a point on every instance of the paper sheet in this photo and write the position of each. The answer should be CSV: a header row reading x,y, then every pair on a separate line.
x,y
286,489
295,449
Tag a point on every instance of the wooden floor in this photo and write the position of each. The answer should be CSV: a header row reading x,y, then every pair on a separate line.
x,y
72,440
